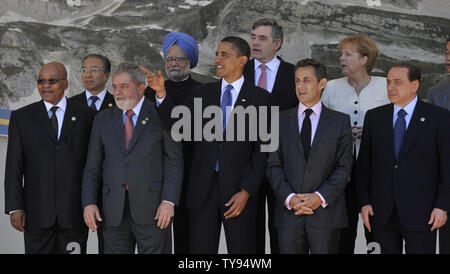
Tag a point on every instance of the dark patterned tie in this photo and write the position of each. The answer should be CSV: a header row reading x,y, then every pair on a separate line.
x,y
305,134
54,120
399,131
93,100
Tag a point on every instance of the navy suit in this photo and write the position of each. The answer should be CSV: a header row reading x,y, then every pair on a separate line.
x,y
404,191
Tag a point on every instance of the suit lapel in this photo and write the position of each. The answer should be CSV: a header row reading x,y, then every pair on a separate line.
x,y
119,128
142,122
295,131
70,118
244,96
109,99
278,79
418,121
44,122
321,128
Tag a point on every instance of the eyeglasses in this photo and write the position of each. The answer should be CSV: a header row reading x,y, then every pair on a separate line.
x,y
176,59
49,81
90,70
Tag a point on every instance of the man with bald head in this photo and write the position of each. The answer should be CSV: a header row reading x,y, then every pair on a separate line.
x,y
47,148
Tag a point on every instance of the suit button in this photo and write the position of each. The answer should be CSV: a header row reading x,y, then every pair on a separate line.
x,y
356,102
356,112
355,123
396,166
58,166
306,171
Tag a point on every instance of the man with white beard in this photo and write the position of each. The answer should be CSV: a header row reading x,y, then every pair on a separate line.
x,y
180,55
138,167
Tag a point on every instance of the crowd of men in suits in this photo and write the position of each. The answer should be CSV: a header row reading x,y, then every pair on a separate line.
x,y
108,162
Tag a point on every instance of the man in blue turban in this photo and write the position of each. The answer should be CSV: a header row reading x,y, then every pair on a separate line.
x,y
180,55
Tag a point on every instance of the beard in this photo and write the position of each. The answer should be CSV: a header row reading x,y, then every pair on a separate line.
x,y
176,74
125,103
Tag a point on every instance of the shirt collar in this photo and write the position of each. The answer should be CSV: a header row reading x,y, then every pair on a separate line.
x,y
62,104
101,95
409,108
237,85
317,108
271,65
137,108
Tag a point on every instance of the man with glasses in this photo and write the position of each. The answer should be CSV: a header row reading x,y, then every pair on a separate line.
x,y
95,72
47,148
181,54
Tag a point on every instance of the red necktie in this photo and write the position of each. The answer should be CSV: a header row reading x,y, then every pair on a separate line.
x,y
128,127
128,132
262,82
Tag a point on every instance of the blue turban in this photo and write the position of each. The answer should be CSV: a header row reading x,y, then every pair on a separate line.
x,y
186,42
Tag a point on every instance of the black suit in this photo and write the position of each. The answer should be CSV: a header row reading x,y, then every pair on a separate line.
x,y
404,191
108,102
179,92
283,96
51,170
241,166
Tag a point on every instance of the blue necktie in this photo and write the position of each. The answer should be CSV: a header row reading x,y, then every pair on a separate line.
x,y
226,102
399,131
93,100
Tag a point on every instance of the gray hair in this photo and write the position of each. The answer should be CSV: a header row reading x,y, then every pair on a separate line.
x,y
135,72
277,30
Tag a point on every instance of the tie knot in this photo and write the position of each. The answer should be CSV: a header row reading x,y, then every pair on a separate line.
x,y
308,112
54,109
129,113
262,66
401,113
94,98
228,89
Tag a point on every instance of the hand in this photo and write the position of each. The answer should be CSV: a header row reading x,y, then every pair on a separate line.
x,y
356,132
438,218
156,82
365,212
18,220
91,216
164,214
309,203
237,203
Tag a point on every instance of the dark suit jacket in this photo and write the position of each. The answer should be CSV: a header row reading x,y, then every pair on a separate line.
x,y
152,166
440,95
241,163
415,183
51,170
283,92
108,101
327,169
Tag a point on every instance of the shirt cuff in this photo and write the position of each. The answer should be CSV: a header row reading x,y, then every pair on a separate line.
x,y
169,202
159,101
11,212
324,203
288,199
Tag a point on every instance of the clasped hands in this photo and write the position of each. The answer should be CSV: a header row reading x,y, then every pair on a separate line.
x,y
305,203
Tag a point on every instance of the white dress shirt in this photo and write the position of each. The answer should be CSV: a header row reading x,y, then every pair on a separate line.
x,y
271,71
62,105
237,85
409,109
98,103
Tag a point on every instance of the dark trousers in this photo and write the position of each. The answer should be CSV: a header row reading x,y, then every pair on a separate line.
x,y
181,230
56,240
205,224
444,239
265,191
306,239
348,234
123,239
392,235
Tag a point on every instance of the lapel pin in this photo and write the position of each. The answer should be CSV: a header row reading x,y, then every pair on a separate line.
x,y
74,118
110,105
422,119
243,100
144,122
146,119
